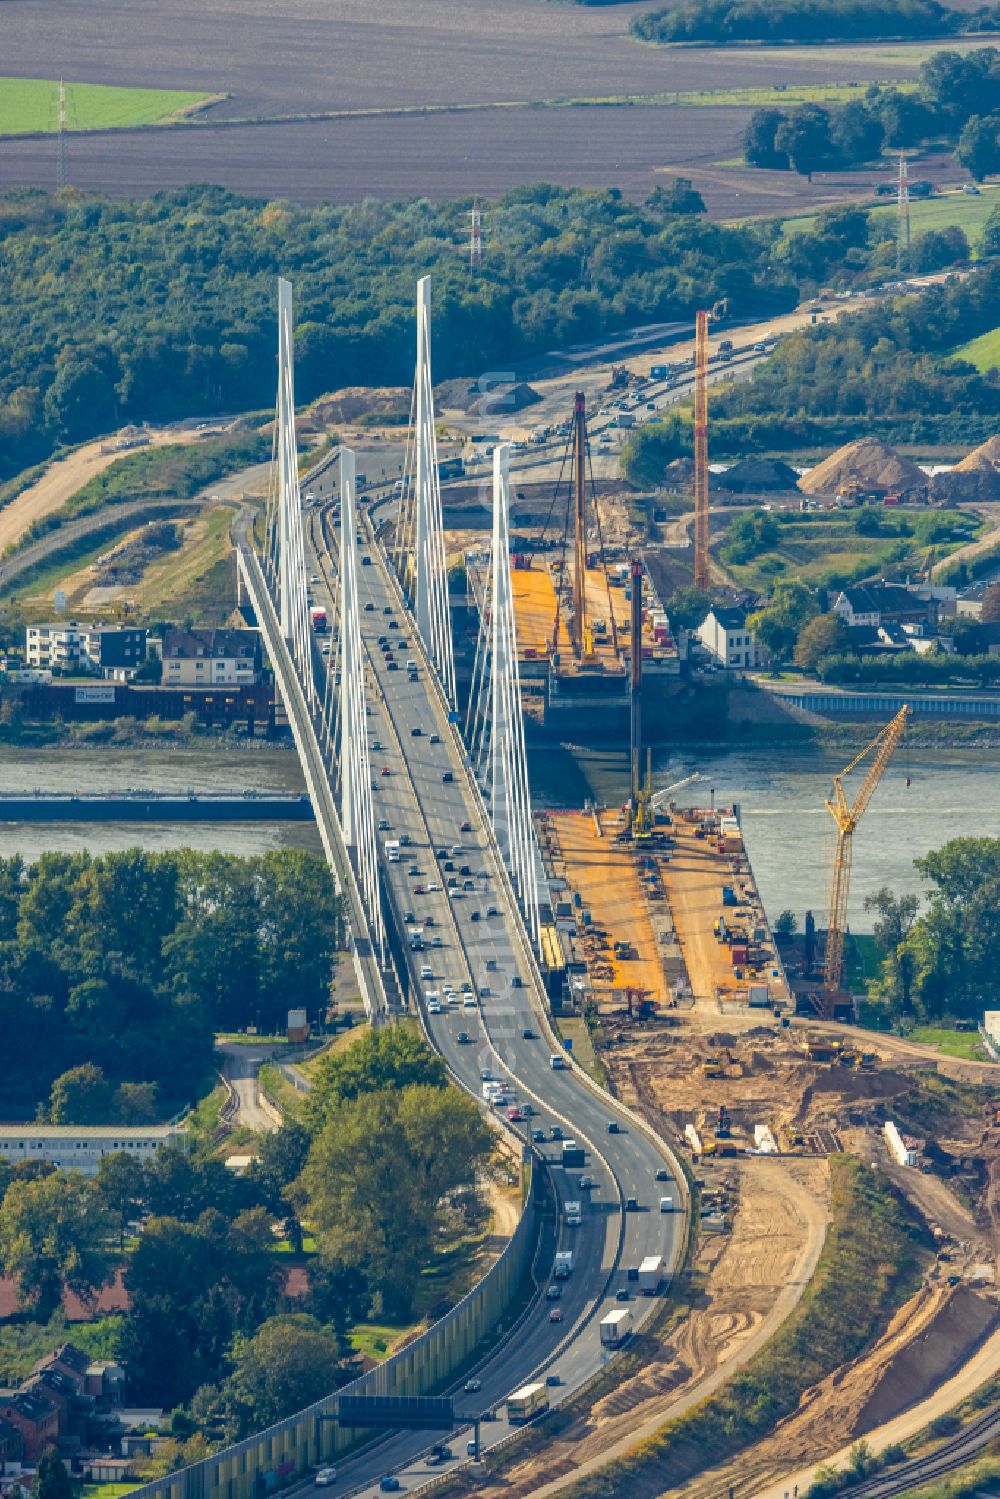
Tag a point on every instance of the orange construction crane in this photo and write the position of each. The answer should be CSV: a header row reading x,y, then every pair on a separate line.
x,y
701,575
847,819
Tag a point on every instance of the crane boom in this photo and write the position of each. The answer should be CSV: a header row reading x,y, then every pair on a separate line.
x,y
847,818
702,575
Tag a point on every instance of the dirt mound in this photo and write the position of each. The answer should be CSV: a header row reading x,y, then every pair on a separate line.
x,y
467,395
867,462
758,475
953,1331
356,401
985,457
966,486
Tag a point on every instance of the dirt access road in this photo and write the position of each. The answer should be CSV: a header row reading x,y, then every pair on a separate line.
x,y
753,1278
63,478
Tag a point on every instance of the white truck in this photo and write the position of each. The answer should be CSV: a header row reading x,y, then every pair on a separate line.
x,y
573,1215
650,1274
392,850
616,1327
563,1264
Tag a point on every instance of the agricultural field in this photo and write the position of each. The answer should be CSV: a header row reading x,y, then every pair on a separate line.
x,y
983,352
32,105
462,55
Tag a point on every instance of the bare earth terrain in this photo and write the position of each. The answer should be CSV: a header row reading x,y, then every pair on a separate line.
x,y
301,58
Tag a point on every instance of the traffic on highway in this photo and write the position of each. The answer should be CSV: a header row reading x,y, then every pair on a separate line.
x,y
474,985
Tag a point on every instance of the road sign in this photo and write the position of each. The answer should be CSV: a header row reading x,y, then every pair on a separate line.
x,y
414,1412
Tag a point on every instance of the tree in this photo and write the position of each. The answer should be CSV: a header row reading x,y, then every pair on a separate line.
x,y
192,1288
51,1481
290,1362
677,195
804,138
777,626
377,1176
937,248
896,917
954,944
856,135
52,1234
759,146
279,1161
785,924
392,1057
121,1182
81,1096
688,607
978,149
825,635
989,243
991,605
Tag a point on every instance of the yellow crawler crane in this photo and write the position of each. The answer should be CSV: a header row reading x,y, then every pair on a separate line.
x,y
847,818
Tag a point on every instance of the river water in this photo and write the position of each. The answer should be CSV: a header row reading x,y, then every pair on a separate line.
x,y
202,769
790,836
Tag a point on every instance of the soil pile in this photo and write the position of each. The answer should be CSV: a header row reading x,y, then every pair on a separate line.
x,y
966,486
866,462
985,457
952,1332
498,400
758,475
357,401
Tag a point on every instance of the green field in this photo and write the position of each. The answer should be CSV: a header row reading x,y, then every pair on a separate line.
x,y
962,209
28,105
793,93
964,1044
983,352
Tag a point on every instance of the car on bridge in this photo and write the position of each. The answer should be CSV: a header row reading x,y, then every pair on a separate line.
x,y
556,1315
325,1477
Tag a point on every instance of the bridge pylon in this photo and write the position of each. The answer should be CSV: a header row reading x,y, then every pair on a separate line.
x,y
420,549
495,724
285,561
357,807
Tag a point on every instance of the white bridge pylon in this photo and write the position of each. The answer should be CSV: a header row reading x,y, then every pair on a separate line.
x,y
344,722
495,724
420,553
284,547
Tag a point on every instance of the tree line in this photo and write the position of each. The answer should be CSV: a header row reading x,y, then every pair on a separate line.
x,y
383,1169
727,22
941,964
165,307
957,99
890,369
116,972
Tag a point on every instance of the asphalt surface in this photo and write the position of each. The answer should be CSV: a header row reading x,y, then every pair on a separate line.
x,y
412,797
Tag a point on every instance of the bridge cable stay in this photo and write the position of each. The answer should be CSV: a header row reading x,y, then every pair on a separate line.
x,y
292,600
420,551
357,807
497,730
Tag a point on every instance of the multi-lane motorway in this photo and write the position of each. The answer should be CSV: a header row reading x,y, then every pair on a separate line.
x,y
425,801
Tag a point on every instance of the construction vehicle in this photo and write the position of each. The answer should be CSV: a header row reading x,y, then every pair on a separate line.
x,y
847,818
712,1067
724,1125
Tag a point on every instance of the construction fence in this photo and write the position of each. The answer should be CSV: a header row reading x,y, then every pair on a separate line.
x,y
273,1458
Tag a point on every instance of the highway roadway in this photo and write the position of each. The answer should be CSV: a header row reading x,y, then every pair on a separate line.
x,y
422,793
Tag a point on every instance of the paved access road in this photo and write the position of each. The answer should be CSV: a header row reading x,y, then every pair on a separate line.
x,y
468,940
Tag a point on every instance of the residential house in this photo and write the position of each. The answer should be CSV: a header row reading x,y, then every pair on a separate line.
x,y
61,1391
111,651
725,635
69,1361
11,1444
35,1417
211,658
882,603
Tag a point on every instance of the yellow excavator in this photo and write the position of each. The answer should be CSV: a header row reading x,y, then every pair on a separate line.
x,y
847,818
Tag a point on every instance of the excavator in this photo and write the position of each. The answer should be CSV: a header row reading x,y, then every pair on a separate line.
x,y
847,817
